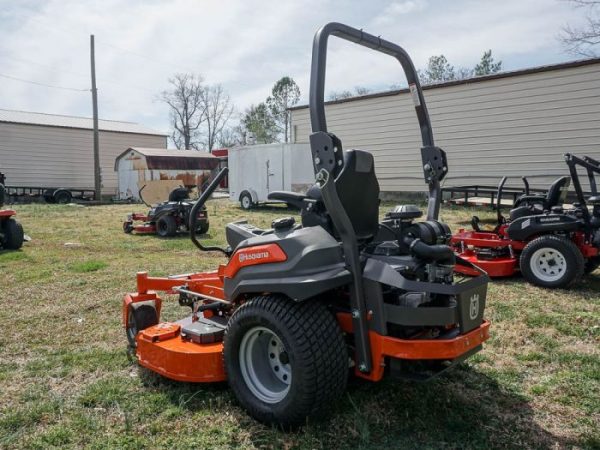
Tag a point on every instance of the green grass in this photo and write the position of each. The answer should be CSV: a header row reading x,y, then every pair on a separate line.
x,y
66,380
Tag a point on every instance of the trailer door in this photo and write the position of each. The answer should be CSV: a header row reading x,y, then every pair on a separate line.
x,y
274,169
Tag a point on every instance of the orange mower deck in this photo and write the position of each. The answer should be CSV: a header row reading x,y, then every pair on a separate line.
x,y
162,349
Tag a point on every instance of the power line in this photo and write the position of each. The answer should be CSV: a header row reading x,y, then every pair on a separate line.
x,y
43,84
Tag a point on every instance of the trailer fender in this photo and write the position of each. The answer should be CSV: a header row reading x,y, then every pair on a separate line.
x,y
252,193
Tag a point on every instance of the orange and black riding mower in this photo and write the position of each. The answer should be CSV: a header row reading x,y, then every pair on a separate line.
x,y
298,306
167,218
11,231
551,245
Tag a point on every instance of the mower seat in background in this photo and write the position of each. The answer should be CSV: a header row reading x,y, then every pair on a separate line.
x,y
555,196
530,205
179,194
522,211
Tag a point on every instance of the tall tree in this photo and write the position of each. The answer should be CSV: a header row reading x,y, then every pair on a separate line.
x,y
218,110
259,121
187,110
584,40
438,70
284,95
487,65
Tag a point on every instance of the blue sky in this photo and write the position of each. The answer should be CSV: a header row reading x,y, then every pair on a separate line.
x,y
246,45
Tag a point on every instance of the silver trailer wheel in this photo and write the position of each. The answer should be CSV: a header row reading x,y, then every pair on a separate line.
x,y
246,201
265,365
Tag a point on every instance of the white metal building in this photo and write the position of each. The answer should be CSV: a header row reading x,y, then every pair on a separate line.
x,y
513,123
48,150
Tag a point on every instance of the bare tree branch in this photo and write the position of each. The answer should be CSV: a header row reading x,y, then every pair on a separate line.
x,y
583,40
187,109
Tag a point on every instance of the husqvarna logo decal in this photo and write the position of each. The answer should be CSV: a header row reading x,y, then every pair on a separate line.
x,y
253,256
474,307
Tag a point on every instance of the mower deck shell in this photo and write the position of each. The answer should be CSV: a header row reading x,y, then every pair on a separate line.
x,y
162,349
6,213
464,241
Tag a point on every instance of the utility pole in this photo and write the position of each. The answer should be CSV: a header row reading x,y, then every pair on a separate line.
x,y
97,175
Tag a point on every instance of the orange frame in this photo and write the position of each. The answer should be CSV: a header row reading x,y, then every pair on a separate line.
x,y
161,349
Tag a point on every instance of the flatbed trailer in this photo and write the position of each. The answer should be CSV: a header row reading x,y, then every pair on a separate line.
x,y
61,195
483,195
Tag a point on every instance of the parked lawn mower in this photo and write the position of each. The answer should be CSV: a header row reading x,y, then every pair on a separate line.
x,y
552,246
296,306
11,231
168,218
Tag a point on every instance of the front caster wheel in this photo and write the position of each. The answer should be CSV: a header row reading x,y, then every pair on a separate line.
x,y
552,262
140,316
286,361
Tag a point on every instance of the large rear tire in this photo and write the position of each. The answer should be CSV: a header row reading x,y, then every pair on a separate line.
x,y
13,234
166,226
286,362
552,262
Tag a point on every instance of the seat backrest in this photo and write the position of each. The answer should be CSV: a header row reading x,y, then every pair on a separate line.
x,y
358,190
557,193
179,194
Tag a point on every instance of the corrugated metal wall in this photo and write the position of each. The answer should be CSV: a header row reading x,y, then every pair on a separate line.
x,y
33,155
517,125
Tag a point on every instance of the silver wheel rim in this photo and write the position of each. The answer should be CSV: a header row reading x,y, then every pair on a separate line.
x,y
265,366
548,264
245,202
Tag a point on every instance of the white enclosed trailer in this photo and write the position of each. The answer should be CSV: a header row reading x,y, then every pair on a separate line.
x,y
257,170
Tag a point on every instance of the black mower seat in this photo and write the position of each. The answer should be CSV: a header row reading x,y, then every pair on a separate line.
x,y
523,211
358,189
555,196
529,205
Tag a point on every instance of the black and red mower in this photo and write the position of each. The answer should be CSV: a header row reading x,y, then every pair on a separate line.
x,y
168,218
295,308
11,231
551,244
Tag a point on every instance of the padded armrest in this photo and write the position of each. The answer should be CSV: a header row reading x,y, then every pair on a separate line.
x,y
294,199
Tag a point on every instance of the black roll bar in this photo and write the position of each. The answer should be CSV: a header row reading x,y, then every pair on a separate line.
x,y
319,62
193,220
499,216
433,171
592,168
